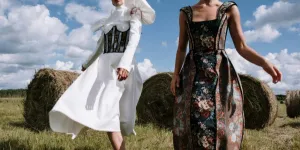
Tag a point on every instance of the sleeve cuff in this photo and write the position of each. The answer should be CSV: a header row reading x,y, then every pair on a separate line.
x,y
128,68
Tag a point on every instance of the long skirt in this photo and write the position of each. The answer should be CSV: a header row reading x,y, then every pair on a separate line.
x,y
98,100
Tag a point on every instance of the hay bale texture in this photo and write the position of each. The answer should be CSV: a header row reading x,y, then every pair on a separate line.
x,y
156,102
42,93
292,103
260,103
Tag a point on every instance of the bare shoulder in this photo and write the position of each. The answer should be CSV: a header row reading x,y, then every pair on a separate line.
x,y
183,14
233,11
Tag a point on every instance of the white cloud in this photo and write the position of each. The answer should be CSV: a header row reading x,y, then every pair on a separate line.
x,y
3,21
106,6
82,37
30,29
6,5
80,43
294,29
29,36
164,44
31,39
177,41
76,52
146,69
60,65
263,34
280,14
22,59
55,2
83,14
268,20
11,68
18,76
17,79
287,63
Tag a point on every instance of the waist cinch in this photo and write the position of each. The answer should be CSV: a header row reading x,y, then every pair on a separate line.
x,y
115,41
203,53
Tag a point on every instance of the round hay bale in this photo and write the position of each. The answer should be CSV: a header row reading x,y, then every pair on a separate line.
x,y
292,103
42,93
156,101
260,103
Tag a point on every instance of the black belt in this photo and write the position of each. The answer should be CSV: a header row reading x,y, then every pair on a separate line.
x,y
115,41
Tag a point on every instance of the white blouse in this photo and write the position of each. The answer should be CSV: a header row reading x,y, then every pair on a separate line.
x,y
123,19
97,99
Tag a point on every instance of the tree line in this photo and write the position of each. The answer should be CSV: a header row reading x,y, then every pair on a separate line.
x,y
22,93
13,93
281,97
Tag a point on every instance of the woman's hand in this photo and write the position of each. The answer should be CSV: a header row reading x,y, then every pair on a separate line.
x,y
181,51
273,71
122,74
175,83
244,50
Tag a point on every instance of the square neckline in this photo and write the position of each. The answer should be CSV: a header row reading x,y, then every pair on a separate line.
x,y
212,20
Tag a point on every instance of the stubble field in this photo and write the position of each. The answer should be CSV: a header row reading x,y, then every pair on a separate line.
x,y
284,134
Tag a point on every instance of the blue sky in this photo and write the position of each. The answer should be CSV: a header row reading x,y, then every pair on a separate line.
x,y
272,28
166,29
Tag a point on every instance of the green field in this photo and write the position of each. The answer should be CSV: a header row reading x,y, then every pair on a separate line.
x,y
284,134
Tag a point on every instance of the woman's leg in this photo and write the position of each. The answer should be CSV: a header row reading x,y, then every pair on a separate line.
x,y
116,140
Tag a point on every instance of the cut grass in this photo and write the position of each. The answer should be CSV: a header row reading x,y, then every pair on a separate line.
x,y
284,134
14,135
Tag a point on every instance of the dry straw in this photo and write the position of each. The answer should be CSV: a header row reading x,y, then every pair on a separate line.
x,y
292,102
42,93
156,101
260,105
155,104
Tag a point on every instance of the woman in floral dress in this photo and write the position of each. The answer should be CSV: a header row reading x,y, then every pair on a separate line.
x,y
208,110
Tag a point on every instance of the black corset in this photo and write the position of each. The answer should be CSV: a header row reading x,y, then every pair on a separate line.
x,y
115,41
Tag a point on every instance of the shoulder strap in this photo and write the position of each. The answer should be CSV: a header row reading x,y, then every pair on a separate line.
x,y
188,12
225,6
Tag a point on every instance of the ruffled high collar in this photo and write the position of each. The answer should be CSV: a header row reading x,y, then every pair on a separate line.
x,y
122,7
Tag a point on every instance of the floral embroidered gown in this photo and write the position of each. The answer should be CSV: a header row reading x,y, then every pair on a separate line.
x,y
208,110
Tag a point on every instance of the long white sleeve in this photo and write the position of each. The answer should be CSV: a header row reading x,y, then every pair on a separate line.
x,y
96,53
98,24
134,38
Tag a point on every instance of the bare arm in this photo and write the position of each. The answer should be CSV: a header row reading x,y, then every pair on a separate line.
x,y
244,50
181,51
182,44
239,41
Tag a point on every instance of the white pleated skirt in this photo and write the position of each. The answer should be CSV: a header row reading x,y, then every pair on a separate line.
x,y
97,100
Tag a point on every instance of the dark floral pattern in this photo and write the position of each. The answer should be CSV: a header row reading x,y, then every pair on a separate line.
x,y
208,110
203,118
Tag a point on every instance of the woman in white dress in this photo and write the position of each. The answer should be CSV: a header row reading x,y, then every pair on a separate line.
x,y
105,95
